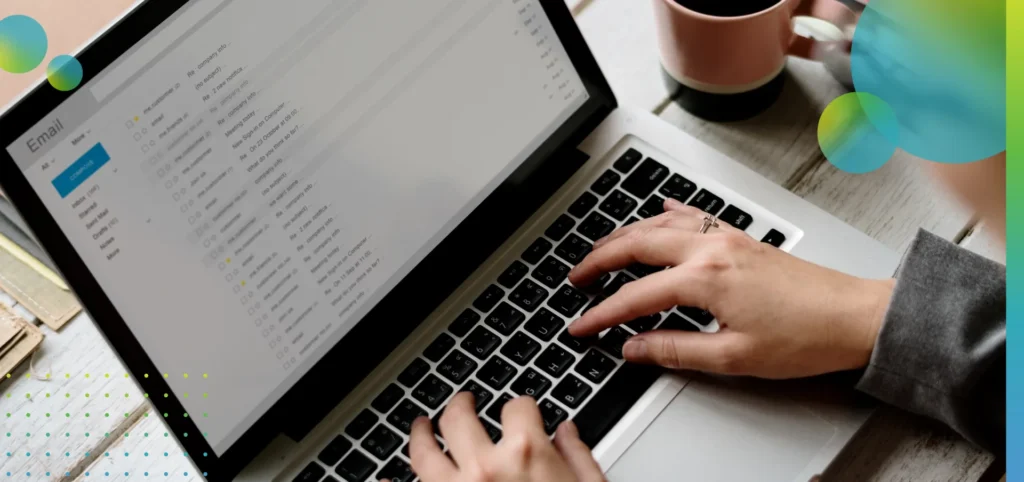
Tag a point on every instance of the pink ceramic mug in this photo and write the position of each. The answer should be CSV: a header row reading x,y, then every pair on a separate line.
x,y
724,59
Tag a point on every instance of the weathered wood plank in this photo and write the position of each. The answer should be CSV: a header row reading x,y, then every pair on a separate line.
x,y
898,446
68,356
781,142
983,241
142,454
889,204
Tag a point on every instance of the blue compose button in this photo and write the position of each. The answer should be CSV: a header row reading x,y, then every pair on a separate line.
x,y
80,170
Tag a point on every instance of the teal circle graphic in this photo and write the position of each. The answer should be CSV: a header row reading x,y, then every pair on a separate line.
x,y
858,132
22,44
64,73
940,65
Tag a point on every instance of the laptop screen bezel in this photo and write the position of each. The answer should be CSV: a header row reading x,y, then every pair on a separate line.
x,y
384,327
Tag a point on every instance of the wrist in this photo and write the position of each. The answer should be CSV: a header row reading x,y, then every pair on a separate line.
x,y
863,318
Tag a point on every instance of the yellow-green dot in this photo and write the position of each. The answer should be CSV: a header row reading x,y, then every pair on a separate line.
x,y
68,415
165,395
27,395
166,375
186,415
204,395
186,394
86,395
126,395
47,395
204,414
107,395
86,375
126,375
67,395
145,375
106,375
186,375
86,415
145,395
47,376
125,415
28,415
47,414
67,375
8,415
107,415
146,415
205,375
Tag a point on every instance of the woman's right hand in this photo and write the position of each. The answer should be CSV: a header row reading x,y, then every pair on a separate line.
x,y
779,316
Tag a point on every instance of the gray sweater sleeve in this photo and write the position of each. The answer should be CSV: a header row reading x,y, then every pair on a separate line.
x,y
941,350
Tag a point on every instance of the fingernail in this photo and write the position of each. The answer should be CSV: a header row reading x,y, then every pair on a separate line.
x,y
570,428
634,348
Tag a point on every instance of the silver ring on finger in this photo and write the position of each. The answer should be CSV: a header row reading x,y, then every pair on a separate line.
x,y
710,221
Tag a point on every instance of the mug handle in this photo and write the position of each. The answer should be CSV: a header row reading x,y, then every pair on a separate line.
x,y
834,53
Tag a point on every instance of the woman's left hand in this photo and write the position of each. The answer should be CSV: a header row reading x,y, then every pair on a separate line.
x,y
523,454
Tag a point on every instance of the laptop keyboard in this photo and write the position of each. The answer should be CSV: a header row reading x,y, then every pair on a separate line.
x,y
512,339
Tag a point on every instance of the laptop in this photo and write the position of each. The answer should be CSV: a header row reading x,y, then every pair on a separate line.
x,y
330,216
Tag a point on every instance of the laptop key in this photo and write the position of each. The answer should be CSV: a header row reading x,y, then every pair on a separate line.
x,y
613,340
628,160
356,467
520,348
567,301
494,411
537,250
702,317
606,182
464,322
707,201
596,226
432,391
551,272
571,391
481,342
774,238
404,414
493,432
644,323
678,187
676,322
388,398
505,319
552,415
618,205
361,424
481,395
456,367
396,470
595,366
578,345
528,295
515,272
496,373
311,473
382,442
531,383
654,206
334,451
554,360
618,282
560,227
413,373
736,217
573,249
642,270
544,324
490,297
645,179
439,347
583,205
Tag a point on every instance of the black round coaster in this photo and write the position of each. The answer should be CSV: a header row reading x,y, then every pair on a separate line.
x,y
725,107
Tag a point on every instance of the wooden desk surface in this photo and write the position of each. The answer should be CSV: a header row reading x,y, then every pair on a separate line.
x,y
781,144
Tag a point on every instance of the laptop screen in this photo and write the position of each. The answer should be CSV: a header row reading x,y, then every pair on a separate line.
x,y
254,176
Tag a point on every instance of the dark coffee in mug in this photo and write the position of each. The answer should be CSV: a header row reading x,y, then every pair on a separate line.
x,y
728,8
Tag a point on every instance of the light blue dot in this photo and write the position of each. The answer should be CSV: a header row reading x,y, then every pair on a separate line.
x,y
47,474
204,474
165,474
106,454
67,474
126,474
87,474
165,454
145,454
87,454
67,454
47,454
106,474
28,454
126,454
186,474
146,474
204,454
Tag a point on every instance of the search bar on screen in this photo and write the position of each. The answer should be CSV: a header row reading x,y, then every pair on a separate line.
x,y
151,47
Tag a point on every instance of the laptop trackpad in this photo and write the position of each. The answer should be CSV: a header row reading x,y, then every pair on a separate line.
x,y
715,432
